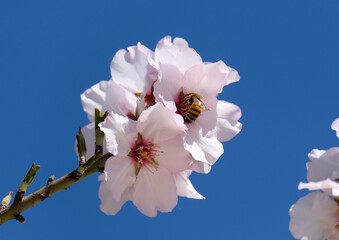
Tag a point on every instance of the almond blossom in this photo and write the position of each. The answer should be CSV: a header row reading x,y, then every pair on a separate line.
x,y
133,69
323,170
147,154
190,87
315,217
165,121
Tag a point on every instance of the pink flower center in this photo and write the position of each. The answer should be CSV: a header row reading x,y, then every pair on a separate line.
x,y
144,154
190,106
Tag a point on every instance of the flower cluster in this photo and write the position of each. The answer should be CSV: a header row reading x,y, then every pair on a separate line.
x,y
164,122
316,216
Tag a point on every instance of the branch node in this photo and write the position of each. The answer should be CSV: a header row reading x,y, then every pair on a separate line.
x,y
50,179
75,175
18,196
20,218
43,196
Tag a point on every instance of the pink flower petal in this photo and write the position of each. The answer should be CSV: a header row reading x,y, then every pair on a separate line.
x,y
174,156
120,133
158,124
324,164
227,125
132,69
178,54
108,204
120,175
199,167
185,187
315,154
89,135
208,119
168,87
108,96
155,192
330,187
313,217
335,126
203,148
208,79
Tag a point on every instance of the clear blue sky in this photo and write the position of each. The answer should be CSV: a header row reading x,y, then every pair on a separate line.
x,y
287,54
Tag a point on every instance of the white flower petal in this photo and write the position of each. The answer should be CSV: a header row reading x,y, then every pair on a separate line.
x,y
324,164
312,217
108,204
315,154
155,192
108,96
227,125
203,148
207,79
335,126
185,187
168,87
199,167
232,76
330,187
178,54
120,133
173,155
158,124
89,135
120,175
132,69
207,121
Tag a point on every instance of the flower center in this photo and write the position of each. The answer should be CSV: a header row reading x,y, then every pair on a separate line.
x,y
144,101
190,106
144,154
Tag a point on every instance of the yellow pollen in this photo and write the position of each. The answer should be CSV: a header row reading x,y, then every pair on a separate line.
x,y
145,155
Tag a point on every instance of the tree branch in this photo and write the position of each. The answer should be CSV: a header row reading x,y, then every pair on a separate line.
x,y
14,211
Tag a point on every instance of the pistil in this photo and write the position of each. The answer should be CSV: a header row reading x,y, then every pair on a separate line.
x,y
144,154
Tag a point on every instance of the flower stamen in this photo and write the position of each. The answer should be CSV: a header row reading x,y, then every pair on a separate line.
x,y
144,154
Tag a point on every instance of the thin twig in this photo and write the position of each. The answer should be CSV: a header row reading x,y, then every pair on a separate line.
x,y
14,211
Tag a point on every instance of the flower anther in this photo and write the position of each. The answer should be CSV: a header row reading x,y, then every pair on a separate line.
x,y
144,154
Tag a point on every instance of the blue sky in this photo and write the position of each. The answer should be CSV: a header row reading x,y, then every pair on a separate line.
x,y
286,53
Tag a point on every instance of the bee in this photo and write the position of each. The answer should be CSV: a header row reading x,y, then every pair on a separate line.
x,y
194,108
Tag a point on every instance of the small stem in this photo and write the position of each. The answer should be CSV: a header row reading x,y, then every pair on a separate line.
x,y
81,146
26,182
99,135
14,211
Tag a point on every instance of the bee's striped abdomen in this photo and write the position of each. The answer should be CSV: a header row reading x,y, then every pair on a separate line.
x,y
194,108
